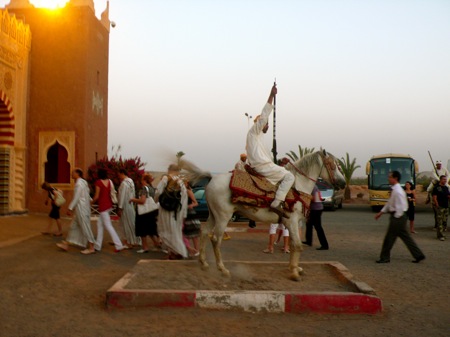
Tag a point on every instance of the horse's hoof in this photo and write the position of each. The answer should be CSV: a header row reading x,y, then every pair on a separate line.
x,y
226,273
204,266
295,277
300,271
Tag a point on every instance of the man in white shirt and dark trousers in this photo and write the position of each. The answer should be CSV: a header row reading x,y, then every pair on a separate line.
x,y
396,206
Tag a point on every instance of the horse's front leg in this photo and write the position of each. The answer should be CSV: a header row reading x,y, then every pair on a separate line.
x,y
216,242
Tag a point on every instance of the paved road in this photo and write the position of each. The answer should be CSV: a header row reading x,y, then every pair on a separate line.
x,y
46,292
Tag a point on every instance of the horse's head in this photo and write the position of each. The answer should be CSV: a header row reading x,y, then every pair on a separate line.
x,y
321,164
331,170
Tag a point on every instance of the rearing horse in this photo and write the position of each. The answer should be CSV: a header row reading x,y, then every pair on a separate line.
x,y
218,196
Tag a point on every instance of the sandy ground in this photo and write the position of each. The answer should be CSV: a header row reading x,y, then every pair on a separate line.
x,y
47,292
251,276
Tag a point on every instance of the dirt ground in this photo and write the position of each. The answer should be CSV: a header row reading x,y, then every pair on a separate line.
x,y
47,292
250,276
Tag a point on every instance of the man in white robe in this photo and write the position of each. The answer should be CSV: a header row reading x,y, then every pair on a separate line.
x,y
260,159
127,212
240,165
80,232
170,223
439,171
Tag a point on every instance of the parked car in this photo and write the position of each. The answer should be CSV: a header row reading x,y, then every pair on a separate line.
x,y
332,198
202,210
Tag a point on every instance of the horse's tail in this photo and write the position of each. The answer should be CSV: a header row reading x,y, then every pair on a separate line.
x,y
194,174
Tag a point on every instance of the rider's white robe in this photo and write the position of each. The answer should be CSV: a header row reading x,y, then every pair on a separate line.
x,y
260,158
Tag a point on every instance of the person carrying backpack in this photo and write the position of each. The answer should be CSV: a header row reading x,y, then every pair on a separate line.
x,y
172,196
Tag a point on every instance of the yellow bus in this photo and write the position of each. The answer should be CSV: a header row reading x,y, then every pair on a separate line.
x,y
377,170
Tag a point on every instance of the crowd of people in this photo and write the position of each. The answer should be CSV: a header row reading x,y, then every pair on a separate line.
x,y
170,230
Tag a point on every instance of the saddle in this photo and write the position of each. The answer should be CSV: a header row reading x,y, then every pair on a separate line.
x,y
253,190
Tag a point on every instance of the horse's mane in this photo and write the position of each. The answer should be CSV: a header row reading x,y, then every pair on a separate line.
x,y
307,161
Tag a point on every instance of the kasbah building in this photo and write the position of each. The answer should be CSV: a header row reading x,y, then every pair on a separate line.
x,y
53,98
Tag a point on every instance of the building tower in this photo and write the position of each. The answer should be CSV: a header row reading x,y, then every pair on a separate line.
x,y
67,105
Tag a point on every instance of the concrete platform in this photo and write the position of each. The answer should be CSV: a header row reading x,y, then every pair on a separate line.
x,y
328,287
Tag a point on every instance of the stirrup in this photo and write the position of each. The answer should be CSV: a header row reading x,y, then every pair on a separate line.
x,y
279,210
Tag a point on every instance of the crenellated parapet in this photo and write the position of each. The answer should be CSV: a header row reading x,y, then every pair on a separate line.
x,y
15,29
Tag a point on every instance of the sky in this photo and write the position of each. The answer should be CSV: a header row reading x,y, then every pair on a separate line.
x,y
357,77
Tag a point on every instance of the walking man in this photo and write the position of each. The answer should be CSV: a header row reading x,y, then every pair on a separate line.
x,y
127,212
396,206
80,232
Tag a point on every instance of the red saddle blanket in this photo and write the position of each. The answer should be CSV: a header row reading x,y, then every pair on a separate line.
x,y
257,191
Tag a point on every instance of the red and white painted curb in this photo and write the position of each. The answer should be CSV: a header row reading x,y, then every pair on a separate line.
x,y
363,301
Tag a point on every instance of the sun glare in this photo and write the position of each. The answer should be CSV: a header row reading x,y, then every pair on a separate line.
x,y
51,4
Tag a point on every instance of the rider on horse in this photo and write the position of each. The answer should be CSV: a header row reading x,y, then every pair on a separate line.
x,y
260,160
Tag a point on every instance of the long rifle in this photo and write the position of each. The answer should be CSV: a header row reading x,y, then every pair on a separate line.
x,y
432,163
274,146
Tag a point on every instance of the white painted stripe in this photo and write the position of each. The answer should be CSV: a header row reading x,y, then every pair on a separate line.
x,y
236,229
252,302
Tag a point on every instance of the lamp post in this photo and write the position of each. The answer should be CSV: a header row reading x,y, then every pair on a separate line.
x,y
274,147
248,120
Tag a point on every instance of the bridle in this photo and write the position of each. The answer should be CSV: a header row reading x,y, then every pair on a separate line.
x,y
327,162
330,165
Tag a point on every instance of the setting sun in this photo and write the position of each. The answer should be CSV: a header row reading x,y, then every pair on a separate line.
x,y
49,3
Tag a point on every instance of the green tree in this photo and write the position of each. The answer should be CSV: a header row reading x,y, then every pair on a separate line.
x,y
301,153
348,168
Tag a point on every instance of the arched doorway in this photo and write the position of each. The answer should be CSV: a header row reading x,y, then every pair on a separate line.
x,y
57,167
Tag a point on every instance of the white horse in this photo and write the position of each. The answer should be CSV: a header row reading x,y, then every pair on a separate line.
x,y
218,196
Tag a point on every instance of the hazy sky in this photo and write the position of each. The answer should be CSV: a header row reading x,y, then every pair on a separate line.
x,y
363,77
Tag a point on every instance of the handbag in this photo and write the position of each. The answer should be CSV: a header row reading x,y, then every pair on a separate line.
x,y
59,199
113,193
149,206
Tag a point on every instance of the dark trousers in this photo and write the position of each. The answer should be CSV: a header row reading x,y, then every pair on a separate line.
x,y
315,220
397,228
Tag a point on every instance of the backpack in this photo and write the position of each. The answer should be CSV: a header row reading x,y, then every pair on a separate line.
x,y
170,198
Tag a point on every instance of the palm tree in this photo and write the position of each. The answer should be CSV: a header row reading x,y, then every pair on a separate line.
x,y
301,153
348,168
115,151
179,155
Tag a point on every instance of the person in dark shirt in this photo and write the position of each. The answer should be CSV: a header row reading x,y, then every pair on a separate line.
x,y
441,195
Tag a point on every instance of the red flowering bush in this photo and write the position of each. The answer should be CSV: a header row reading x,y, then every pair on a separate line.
x,y
133,166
